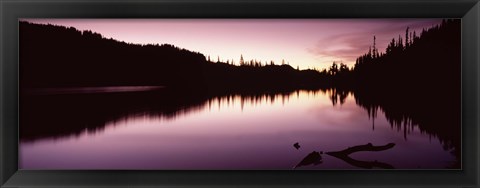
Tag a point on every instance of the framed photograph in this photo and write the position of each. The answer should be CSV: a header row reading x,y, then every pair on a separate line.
x,y
239,93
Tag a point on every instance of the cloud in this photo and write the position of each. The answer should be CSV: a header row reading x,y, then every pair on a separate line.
x,y
342,47
349,45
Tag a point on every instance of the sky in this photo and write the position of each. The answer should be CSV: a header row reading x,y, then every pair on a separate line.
x,y
306,43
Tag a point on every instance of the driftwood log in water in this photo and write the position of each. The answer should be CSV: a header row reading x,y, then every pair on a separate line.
x,y
344,155
366,147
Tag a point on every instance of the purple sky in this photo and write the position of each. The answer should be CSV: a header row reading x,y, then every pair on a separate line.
x,y
307,43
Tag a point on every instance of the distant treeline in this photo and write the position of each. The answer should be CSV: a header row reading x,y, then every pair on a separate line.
x,y
57,56
56,116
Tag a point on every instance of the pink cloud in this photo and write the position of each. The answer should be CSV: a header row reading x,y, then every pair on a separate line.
x,y
348,46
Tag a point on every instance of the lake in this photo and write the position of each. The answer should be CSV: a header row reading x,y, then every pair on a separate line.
x,y
192,131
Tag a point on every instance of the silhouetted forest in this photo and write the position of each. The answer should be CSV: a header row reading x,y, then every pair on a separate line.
x,y
57,56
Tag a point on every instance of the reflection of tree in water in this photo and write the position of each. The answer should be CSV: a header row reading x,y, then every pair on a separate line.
x,y
337,95
436,120
95,110
315,158
69,115
431,115
66,115
405,115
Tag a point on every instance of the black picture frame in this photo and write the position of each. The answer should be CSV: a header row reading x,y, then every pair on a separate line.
x,y
12,10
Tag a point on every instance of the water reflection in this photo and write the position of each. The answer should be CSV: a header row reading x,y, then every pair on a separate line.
x,y
231,126
436,115
93,111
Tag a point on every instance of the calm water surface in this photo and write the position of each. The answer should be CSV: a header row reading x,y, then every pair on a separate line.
x,y
235,132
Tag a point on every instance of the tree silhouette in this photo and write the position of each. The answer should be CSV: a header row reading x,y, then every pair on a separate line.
x,y
407,42
333,69
241,60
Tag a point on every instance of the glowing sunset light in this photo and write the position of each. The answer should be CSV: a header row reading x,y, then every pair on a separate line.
x,y
306,43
